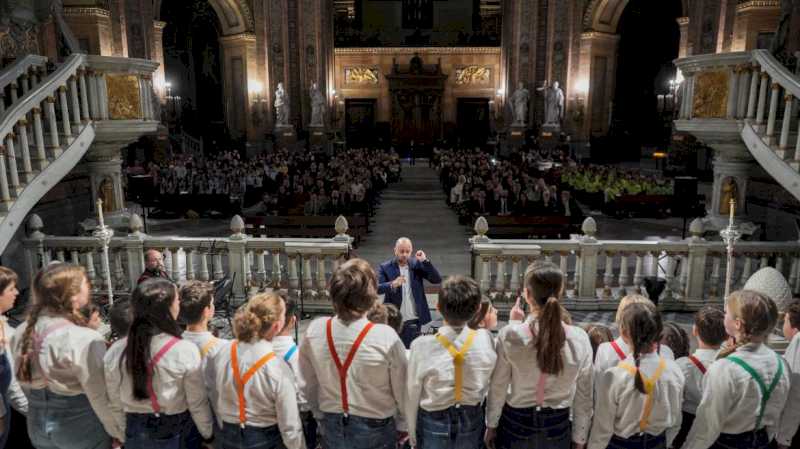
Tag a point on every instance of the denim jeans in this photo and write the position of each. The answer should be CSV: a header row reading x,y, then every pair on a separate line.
x,y
355,432
747,440
409,332
64,422
452,428
234,437
309,429
148,431
526,428
642,441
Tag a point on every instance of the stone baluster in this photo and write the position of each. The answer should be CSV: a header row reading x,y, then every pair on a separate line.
x,y
293,279
307,275
14,93
787,121
563,264
76,105
624,277
2,102
248,267
793,272
190,257
744,92
753,97
548,257
40,157
168,260
515,278
84,96
60,255
12,165
89,265
62,99
52,128
746,270
276,268
203,275
24,83
25,152
779,262
101,269
608,275
715,275
764,261
684,281
669,276
733,92
654,255
486,269
74,257
217,262
5,195
637,272
119,272
499,280
261,267
762,98
321,278
773,113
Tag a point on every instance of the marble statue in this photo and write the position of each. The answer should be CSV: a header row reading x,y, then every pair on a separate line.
x,y
553,104
281,107
519,104
317,106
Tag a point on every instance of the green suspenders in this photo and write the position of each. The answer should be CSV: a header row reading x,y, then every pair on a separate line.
x,y
765,392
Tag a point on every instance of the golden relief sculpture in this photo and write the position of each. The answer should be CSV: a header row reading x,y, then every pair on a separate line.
x,y
123,97
473,74
361,75
710,95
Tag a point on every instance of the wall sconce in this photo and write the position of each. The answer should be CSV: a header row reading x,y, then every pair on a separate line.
x,y
256,89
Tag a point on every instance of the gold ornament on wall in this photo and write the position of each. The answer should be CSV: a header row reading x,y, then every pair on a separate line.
x,y
361,75
123,97
710,95
473,74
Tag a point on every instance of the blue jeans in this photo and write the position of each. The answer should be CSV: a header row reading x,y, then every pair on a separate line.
x,y
355,432
526,428
643,441
148,431
409,332
64,422
747,440
234,437
452,428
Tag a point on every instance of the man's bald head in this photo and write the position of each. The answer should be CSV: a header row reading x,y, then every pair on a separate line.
x,y
403,249
153,260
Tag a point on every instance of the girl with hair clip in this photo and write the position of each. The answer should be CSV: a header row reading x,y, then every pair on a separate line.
x,y
543,374
257,395
156,383
60,362
639,400
744,402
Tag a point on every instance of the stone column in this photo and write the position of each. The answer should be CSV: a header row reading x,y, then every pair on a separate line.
x,y
732,168
119,28
238,54
103,163
159,77
684,48
598,63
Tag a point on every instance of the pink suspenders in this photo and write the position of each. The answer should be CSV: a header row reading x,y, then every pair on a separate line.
x,y
151,369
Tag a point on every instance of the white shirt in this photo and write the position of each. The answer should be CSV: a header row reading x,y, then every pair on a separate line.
x,y
178,383
282,344
203,340
431,373
693,388
516,377
620,405
408,309
270,395
71,358
607,357
376,379
15,394
732,400
791,414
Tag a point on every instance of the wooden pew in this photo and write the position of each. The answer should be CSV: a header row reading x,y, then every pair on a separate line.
x,y
304,226
546,226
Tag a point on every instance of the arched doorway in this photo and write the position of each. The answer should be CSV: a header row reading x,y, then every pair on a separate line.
x,y
193,70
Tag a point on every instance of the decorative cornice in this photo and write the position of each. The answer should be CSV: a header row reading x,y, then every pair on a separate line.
x,y
420,50
758,4
599,35
240,37
86,11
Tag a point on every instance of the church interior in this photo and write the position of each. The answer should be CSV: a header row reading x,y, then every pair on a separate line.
x,y
642,147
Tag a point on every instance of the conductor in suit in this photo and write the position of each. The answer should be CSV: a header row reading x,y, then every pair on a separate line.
x,y
400,280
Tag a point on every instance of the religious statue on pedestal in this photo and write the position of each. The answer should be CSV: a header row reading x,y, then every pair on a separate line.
x,y
519,105
729,191
281,107
318,104
553,104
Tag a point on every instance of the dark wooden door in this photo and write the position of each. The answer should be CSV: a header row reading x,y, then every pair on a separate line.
x,y
360,121
473,120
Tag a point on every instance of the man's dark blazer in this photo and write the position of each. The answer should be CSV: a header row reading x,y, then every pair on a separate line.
x,y
417,271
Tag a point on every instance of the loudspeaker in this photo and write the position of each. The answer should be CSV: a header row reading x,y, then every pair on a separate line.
x,y
684,192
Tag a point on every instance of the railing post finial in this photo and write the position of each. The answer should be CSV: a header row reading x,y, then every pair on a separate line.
x,y
341,225
481,227
696,229
35,226
589,228
237,226
135,224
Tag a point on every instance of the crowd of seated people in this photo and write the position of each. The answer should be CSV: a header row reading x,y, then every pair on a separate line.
x,y
277,183
614,182
479,185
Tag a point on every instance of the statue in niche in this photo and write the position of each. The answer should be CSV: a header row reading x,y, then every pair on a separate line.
x,y
519,105
105,191
281,107
553,103
415,66
729,191
317,106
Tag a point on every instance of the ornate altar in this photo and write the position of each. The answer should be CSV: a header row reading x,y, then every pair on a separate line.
x,y
417,92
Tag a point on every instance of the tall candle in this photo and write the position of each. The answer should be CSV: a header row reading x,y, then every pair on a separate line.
x,y
733,208
100,212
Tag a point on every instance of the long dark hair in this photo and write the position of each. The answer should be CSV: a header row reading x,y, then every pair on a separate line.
x,y
151,302
545,284
642,323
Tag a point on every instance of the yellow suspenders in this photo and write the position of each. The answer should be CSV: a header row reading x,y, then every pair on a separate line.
x,y
208,347
458,359
649,386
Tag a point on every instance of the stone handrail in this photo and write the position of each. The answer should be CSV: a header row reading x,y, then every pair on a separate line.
x,y
600,272
22,76
303,266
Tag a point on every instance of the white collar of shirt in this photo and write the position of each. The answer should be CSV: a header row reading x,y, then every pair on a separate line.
x,y
707,354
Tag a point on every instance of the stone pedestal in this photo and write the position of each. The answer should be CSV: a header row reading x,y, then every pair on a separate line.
x,y
317,136
285,135
516,135
549,136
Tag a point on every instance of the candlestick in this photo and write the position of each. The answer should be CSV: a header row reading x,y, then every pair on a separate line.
x,y
100,212
733,208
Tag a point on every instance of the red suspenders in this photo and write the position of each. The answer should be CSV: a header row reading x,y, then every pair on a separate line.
x,y
698,364
342,368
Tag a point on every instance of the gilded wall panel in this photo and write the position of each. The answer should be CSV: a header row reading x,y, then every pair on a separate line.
x,y
473,74
361,75
123,97
710,94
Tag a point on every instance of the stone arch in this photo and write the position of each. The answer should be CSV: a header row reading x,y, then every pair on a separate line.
x,y
234,16
604,15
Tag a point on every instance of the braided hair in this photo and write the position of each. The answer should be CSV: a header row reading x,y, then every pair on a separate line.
x,y
758,314
641,323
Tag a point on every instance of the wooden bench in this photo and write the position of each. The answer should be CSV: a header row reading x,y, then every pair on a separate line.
x,y
658,206
547,227
304,226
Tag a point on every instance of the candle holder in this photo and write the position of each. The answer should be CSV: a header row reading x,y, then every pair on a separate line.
x,y
104,234
730,236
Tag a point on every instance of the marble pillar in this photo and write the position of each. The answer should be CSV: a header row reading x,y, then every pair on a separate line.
x,y
243,106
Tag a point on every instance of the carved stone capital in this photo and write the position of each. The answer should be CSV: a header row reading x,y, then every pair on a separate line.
x,y
50,99
36,111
